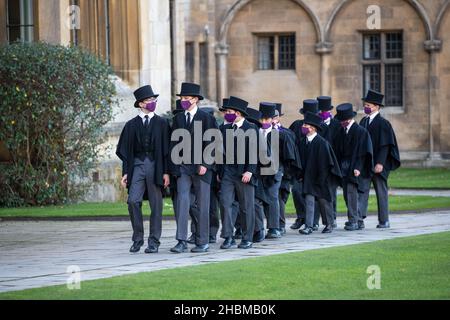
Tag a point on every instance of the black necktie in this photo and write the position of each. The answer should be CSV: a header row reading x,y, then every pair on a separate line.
x,y
146,122
367,122
188,119
235,127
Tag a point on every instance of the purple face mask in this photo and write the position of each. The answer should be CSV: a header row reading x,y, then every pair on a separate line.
x,y
367,110
305,131
325,115
345,123
230,117
266,125
185,104
151,106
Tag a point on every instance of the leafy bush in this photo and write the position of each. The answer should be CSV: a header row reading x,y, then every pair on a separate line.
x,y
54,102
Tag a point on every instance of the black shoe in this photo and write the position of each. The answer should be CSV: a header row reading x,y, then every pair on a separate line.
x,y
245,244
306,231
136,246
152,248
347,223
328,229
315,227
200,248
273,234
180,247
351,227
282,231
297,224
361,225
212,239
228,243
238,234
259,236
191,239
384,225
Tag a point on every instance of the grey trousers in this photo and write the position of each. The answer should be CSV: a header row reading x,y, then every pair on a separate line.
x,y
229,187
381,190
272,210
283,198
143,177
201,215
312,205
214,222
351,198
299,199
259,215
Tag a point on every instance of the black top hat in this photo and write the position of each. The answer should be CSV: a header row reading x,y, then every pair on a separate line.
x,y
310,105
191,90
325,103
237,104
178,108
267,109
279,106
345,112
253,116
143,93
224,104
313,119
374,97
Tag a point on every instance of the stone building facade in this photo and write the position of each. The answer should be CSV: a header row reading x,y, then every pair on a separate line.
x,y
262,50
338,54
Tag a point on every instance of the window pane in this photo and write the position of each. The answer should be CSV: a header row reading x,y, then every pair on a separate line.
x,y
372,78
286,55
394,84
394,45
265,53
189,61
20,20
13,12
372,48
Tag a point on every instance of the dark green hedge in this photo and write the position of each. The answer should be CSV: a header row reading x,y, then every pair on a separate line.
x,y
54,102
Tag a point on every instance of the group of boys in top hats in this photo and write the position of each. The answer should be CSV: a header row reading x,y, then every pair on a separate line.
x,y
314,156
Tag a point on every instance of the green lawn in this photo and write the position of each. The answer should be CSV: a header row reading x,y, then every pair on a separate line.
x,y
397,203
433,178
411,268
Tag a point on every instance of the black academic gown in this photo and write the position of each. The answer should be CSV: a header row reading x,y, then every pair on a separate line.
x,y
354,151
384,142
208,122
289,156
239,169
321,168
330,131
159,131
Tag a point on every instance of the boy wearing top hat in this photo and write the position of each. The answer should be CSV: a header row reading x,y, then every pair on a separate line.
x,y
385,154
238,177
272,182
353,148
194,172
214,222
309,105
253,116
330,129
144,150
320,172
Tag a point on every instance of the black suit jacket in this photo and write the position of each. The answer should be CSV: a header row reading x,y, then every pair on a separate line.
x,y
207,122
